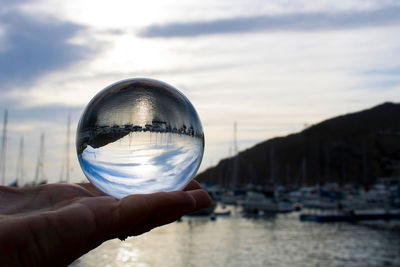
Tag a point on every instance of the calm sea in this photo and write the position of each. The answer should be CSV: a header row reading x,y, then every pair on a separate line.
x,y
236,241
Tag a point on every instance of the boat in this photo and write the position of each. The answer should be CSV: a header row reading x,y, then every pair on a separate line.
x,y
259,203
232,197
14,183
351,216
209,211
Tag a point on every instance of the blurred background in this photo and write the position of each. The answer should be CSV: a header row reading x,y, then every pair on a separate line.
x,y
254,70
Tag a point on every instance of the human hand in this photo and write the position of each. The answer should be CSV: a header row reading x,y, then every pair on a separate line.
x,y
54,224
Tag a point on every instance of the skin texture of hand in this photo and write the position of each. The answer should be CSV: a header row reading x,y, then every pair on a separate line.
x,y
54,224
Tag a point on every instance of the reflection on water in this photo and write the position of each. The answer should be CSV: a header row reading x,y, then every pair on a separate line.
x,y
237,241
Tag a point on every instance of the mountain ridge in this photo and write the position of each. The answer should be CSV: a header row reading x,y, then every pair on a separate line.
x,y
356,148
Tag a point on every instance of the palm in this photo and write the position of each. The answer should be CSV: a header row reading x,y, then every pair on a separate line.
x,y
56,223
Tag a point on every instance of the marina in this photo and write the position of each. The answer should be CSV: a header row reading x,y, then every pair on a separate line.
x,y
328,203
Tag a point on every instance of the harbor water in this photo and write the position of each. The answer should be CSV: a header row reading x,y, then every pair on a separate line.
x,y
281,240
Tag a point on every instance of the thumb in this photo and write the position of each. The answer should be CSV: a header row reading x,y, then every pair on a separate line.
x,y
137,214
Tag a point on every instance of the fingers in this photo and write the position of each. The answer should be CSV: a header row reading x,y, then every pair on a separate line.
x,y
137,214
202,198
192,185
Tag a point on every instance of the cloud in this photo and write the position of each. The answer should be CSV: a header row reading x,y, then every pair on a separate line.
x,y
42,113
286,22
34,46
394,71
380,78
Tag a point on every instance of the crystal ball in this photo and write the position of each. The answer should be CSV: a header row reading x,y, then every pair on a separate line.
x,y
139,136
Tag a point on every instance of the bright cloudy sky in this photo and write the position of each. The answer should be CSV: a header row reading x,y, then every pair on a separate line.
x,y
272,66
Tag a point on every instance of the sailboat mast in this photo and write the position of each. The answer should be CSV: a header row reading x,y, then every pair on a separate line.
x,y
235,146
67,148
20,162
4,149
39,166
272,164
235,168
65,168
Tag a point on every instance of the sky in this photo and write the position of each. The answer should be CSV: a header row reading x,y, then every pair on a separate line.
x,y
273,67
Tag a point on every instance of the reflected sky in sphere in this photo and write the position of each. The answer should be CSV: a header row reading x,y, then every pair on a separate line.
x,y
139,136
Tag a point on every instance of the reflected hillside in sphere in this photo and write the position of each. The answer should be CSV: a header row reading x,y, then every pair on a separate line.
x,y
139,136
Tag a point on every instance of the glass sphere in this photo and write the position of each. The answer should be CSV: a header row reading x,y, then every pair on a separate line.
x,y
139,136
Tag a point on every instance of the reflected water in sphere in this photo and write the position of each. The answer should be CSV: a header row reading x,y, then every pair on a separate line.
x,y
139,136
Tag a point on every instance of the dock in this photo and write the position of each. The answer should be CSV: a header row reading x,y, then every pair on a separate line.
x,y
326,218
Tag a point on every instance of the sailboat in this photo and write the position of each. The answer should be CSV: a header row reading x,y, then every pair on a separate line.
x,y
266,201
232,196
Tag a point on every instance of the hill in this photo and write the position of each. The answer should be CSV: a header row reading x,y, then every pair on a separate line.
x,y
353,148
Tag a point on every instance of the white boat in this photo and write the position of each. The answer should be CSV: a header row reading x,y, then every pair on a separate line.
x,y
256,203
232,197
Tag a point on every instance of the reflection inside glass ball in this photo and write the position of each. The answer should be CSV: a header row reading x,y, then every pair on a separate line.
x,y
139,136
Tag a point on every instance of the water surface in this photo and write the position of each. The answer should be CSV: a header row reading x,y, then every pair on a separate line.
x,y
235,241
